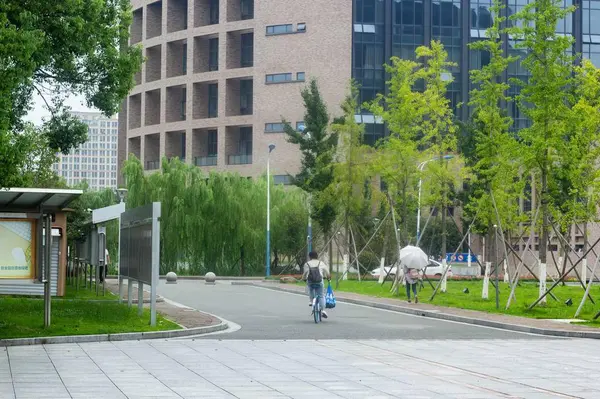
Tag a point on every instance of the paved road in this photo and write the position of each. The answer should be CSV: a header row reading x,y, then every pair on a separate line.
x,y
268,314
356,369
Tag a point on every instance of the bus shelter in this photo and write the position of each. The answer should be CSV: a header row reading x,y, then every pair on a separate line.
x,y
33,242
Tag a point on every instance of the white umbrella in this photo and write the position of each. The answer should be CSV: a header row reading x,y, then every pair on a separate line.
x,y
413,257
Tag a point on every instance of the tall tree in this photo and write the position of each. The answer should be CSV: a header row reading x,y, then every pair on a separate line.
x,y
545,99
63,47
317,146
438,130
495,158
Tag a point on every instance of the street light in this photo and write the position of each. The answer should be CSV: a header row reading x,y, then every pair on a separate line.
x,y
268,261
420,168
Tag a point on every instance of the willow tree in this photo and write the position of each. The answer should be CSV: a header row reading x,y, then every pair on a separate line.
x,y
215,222
545,99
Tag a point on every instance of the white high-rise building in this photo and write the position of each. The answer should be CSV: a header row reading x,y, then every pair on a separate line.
x,y
95,161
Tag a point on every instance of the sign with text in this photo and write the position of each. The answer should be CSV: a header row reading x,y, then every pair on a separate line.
x,y
460,258
16,248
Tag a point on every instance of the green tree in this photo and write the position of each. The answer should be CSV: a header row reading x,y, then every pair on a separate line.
x,y
438,132
66,47
494,157
545,98
317,146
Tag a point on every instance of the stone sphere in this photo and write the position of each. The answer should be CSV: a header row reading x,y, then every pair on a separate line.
x,y
210,278
171,278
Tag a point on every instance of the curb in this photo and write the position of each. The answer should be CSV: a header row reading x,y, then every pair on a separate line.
x,y
219,278
134,336
436,314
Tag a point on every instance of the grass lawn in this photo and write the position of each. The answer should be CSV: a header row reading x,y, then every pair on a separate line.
x,y
526,294
80,314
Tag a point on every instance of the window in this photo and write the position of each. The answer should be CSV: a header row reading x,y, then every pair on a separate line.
x,y
300,126
300,76
213,100
280,29
247,59
246,90
301,27
245,144
211,143
213,54
214,12
286,180
247,9
274,127
279,78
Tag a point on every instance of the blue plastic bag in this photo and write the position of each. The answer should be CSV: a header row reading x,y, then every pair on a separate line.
x,y
329,298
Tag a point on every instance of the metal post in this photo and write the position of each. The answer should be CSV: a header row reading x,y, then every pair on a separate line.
x,y
119,264
268,258
496,264
155,260
129,292
47,272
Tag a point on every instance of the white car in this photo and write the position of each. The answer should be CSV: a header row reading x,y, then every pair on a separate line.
x,y
434,268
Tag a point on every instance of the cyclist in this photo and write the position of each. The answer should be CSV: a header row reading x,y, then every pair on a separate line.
x,y
314,273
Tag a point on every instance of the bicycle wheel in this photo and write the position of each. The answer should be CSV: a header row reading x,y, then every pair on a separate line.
x,y
317,311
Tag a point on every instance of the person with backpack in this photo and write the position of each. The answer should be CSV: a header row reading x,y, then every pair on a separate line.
x,y
412,278
314,273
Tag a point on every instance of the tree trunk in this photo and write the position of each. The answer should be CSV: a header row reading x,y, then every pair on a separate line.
x,y
242,265
545,234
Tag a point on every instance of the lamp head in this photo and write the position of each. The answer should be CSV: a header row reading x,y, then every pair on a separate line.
x,y
271,148
122,194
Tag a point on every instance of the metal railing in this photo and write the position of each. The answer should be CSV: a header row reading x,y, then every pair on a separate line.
x,y
241,159
210,160
152,165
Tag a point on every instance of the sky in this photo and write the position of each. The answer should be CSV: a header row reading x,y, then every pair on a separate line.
x,y
39,111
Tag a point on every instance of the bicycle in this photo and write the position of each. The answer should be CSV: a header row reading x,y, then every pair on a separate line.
x,y
316,309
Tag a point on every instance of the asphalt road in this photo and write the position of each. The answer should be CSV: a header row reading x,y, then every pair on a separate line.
x,y
268,314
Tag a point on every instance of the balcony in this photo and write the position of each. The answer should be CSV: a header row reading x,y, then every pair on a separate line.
x,y
240,49
153,63
206,12
239,10
238,145
152,151
177,58
154,20
152,107
134,146
175,143
177,15
205,147
206,100
176,103
137,26
239,97
135,111
206,53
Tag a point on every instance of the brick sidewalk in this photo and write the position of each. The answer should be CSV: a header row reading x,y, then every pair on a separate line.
x,y
426,309
184,316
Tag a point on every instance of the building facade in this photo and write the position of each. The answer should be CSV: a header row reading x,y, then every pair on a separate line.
x,y
95,161
220,75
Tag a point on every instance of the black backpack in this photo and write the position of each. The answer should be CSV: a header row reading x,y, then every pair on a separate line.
x,y
314,274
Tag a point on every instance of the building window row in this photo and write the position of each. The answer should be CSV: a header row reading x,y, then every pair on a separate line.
x,y
284,77
278,127
285,29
